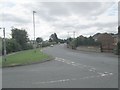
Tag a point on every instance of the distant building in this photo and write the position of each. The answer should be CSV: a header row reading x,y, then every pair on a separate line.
x,y
95,37
108,41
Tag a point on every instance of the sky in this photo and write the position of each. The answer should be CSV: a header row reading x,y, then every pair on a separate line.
x,y
83,18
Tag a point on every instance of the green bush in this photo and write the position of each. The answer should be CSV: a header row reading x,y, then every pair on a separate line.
x,y
11,46
45,44
84,41
29,46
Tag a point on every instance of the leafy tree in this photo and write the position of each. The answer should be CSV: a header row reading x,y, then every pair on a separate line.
x,y
50,40
69,40
45,44
39,40
73,43
61,40
119,30
90,41
12,46
19,41
53,38
80,41
21,37
29,46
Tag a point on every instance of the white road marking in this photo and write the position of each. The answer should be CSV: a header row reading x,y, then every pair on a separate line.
x,y
64,80
75,64
105,74
89,68
72,79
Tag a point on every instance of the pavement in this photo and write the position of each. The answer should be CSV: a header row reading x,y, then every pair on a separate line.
x,y
69,69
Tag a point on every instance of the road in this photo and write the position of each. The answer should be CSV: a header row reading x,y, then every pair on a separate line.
x,y
70,69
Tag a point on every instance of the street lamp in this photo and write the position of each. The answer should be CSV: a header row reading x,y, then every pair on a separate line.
x,y
34,30
4,43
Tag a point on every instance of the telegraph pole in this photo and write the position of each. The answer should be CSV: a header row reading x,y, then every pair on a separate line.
x,y
34,30
4,44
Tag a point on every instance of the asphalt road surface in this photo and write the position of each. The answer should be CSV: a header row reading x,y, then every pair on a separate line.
x,y
70,69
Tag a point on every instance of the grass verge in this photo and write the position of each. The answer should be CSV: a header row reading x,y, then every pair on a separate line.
x,y
25,57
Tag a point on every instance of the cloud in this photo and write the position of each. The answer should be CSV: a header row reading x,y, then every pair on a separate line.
x,y
6,17
56,8
59,9
85,18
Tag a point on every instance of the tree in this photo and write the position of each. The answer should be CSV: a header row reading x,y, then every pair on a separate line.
x,y
73,44
39,40
21,37
53,38
50,40
81,41
118,29
61,40
19,41
69,40
12,46
91,41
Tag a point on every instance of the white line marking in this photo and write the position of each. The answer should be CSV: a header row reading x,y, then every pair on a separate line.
x,y
75,64
89,68
73,79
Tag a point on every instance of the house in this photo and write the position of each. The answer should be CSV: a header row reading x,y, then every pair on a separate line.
x,y
107,41
95,37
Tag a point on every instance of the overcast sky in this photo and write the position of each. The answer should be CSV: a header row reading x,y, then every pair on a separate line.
x,y
85,18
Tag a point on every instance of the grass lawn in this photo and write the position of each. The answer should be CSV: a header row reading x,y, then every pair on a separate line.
x,y
24,57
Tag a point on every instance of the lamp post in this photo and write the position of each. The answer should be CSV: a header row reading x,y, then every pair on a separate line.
x,y
4,43
34,30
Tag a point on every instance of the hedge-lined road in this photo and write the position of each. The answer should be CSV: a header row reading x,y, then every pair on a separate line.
x,y
70,69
